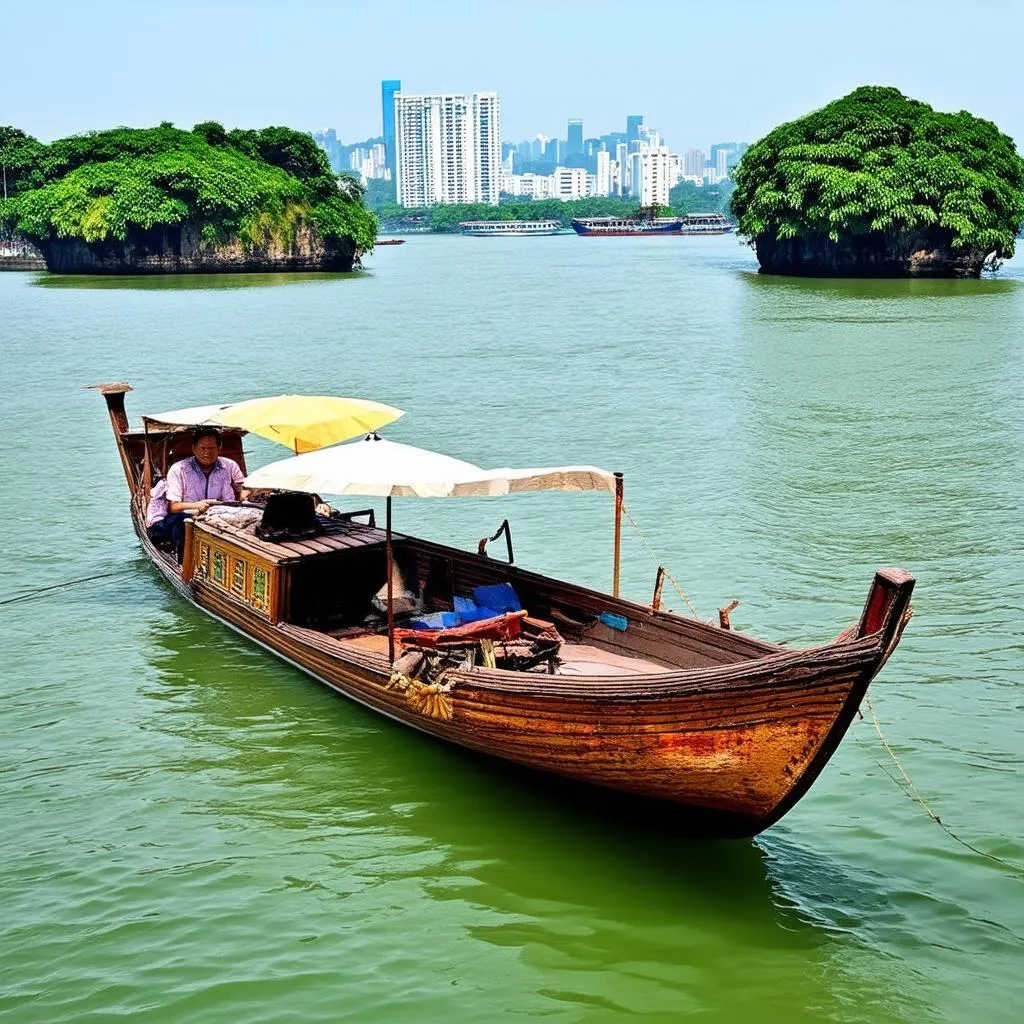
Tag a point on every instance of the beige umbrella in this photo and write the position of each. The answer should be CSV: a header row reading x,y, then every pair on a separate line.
x,y
387,469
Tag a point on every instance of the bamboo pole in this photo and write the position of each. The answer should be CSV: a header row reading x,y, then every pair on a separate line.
x,y
391,607
618,533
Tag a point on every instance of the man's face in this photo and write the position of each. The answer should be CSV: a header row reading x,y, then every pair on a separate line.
x,y
206,451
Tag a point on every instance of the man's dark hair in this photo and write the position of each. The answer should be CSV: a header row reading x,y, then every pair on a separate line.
x,y
202,432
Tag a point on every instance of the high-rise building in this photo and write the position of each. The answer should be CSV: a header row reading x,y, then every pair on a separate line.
x,y
622,159
654,173
733,154
487,146
572,183
574,140
693,163
388,88
603,177
448,148
634,122
650,136
721,163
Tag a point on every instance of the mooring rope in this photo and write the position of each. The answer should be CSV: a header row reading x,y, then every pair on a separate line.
x,y
908,787
40,591
657,560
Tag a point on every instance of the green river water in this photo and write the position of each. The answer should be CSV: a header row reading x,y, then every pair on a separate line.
x,y
194,831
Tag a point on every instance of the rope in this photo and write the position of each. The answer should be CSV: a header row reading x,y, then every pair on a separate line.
x,y
907,786
39,591
657,560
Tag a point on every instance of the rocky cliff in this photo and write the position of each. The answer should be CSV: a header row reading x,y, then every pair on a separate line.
x,y
181,249
916,254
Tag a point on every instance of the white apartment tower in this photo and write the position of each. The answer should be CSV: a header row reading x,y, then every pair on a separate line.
x,y
654,173
448,148
603,177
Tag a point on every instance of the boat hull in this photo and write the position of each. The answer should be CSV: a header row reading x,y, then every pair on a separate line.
x,y
731,743
593,229
507,229
732,748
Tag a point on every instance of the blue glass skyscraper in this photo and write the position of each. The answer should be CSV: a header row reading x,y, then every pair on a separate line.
x,y
574,143
388,88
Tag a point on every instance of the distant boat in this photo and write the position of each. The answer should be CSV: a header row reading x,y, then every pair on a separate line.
x,y
632,225
706,224
390,241
484,228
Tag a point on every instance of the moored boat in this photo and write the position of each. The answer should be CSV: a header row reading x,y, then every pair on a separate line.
x,y
706,224
508,662
498,228
636,225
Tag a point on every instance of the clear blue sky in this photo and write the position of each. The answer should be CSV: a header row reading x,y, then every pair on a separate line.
x,y
718,70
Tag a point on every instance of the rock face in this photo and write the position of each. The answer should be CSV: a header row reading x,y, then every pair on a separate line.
x,y
870,255
181,249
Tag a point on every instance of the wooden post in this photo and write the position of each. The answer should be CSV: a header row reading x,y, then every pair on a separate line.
x,y
391,607
618,533
188,558
659,582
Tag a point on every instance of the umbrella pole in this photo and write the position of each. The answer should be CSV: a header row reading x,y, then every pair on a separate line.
x,y
618,533
391,607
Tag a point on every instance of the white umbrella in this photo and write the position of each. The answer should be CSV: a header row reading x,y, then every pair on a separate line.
x,y
373,466
387,469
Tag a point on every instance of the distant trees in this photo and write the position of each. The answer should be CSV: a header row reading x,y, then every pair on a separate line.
x,y
689,197
254,185
18,155
446,218
877,171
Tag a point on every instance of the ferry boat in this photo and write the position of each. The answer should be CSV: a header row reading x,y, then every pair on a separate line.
x,y
633,225
523,667
707,224
483,228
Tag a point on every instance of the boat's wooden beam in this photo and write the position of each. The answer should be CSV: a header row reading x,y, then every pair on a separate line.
x,y
887,602
113,395
188,561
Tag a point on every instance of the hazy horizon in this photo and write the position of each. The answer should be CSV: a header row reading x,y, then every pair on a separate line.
x,y
729,72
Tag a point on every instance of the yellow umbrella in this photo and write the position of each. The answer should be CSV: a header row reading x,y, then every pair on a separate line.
x,y
305,423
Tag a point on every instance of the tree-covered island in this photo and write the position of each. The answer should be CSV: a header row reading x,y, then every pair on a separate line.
x,y
877,184
164,200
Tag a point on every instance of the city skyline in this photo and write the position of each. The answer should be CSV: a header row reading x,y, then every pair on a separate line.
x,y
749,69
443,149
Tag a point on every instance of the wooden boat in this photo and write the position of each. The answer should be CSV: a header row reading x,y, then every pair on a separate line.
x,y
731,729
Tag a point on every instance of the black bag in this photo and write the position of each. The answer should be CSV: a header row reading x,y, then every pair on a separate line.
x,y
289,515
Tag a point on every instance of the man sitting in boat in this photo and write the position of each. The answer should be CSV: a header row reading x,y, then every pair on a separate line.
x,y
193,485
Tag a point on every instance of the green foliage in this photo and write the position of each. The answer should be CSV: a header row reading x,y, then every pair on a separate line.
x,y
878,162
379,193
255,185
689,197
18,155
